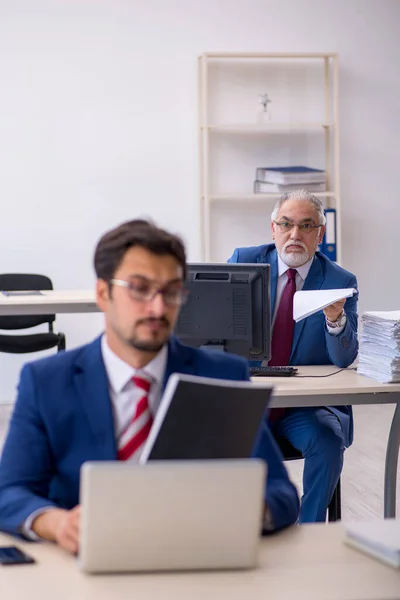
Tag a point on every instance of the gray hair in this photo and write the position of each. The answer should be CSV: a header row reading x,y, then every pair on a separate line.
x,y
305,197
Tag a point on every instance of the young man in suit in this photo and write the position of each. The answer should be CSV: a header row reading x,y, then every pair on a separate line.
x,y
327,337
97,402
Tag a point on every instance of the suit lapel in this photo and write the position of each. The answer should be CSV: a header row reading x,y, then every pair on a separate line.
x,y
179,360
273,261
314,281
271,257
91,384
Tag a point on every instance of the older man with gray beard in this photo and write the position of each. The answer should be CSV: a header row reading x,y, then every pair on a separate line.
x,y
321,434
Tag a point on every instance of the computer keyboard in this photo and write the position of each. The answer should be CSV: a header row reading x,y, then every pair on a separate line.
x,y
273,371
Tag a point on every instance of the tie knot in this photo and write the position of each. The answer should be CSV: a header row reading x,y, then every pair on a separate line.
x,y
142,383
291,274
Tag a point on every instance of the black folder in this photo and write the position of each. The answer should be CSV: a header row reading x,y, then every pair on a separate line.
x,y
203,418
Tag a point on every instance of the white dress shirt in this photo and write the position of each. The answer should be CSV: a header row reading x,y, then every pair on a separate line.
x,y
124,396
301,275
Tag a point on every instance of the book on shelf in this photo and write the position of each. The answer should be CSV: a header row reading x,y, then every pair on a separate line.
x,y
380,539
290,175
264,187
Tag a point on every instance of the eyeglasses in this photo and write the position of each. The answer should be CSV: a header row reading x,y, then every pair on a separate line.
x,y
142,289
285,226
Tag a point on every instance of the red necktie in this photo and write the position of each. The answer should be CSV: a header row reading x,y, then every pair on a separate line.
x,y
131,441
282,334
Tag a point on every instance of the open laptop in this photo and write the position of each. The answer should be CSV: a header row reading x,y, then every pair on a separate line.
x,y
171,515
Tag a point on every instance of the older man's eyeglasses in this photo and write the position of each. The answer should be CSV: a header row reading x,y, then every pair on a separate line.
x,y
305,227
142,289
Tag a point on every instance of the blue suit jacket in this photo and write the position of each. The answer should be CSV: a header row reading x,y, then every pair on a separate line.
x,y
63,417
312,344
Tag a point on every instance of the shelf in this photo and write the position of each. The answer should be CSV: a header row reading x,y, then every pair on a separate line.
x,y
236,135
268,55
259,197
267,128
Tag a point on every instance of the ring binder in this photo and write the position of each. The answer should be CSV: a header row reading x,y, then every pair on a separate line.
x,y
328,244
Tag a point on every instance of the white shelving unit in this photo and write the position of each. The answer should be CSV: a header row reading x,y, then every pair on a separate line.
x,y
235,137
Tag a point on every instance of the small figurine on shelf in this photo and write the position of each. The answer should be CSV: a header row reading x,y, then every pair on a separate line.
x,y
265,114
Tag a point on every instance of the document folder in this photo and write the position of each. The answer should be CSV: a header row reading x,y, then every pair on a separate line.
x,y
203,418
328,245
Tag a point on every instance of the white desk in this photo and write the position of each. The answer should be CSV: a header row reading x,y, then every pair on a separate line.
x,y
49,302
346,387
309,562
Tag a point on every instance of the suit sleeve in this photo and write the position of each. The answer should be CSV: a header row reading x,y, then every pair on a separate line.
x,y
280,494
235,256
343,348
26,466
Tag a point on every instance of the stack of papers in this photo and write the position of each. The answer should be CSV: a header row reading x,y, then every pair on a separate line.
x,y
379,355
380,539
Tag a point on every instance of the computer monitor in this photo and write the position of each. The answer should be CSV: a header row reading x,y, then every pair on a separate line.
x,y
228,308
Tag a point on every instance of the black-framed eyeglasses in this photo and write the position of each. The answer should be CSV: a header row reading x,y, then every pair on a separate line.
x,y
307,227
143,289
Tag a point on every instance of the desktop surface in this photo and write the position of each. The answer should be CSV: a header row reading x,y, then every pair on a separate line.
x,y
48,302
307,562
328,380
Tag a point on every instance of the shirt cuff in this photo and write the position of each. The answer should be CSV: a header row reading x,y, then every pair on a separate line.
x,y
27,530
334,330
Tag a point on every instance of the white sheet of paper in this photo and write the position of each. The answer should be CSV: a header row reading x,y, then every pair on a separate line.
x,y
385,315
308,302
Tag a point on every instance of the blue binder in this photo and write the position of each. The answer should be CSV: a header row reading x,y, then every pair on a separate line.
x,y
328,244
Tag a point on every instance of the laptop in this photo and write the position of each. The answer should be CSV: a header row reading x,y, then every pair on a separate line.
x,y
171,515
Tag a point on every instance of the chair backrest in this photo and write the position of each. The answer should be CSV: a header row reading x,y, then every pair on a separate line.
x,y
24,281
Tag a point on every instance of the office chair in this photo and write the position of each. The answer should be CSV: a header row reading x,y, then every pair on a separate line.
x,y
21,344
291,453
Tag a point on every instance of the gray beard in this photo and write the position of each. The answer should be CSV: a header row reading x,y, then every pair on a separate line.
x,y
295,259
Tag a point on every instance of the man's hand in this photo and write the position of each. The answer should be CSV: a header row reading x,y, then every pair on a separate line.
x,y
267,520
333,311
61,526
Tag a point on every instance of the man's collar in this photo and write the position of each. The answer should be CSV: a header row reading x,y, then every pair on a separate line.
x,y
119,373
302,271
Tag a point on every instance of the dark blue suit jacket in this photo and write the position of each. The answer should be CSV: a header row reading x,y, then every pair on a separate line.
x,y
63,417
312,344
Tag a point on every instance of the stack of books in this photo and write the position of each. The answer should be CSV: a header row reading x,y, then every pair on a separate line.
x,y
286,179
379,355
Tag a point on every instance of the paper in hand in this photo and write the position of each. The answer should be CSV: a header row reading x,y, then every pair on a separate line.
x,y
308,302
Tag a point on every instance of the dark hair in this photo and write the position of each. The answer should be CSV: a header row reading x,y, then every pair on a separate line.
x,y
113,245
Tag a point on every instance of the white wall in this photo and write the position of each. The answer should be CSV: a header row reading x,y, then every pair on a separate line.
x,y
98,116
